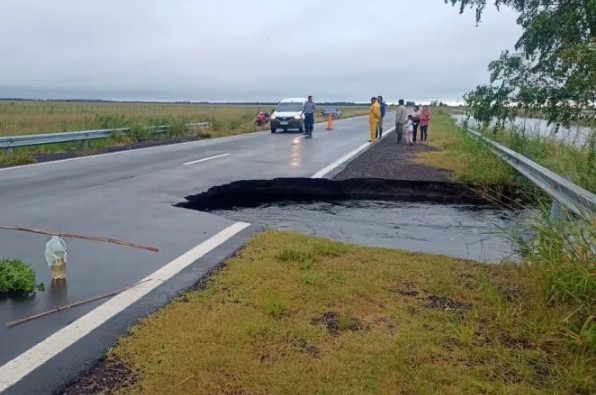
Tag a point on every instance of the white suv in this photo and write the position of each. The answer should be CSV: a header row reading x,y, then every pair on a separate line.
x,y
288,115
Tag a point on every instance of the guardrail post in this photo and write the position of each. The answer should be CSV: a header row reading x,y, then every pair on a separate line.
x,y
557,212
85,142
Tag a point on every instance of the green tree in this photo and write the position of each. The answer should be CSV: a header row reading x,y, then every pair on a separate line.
x,y
553,68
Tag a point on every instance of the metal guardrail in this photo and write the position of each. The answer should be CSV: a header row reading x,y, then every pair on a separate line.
x,y
10,142
571,196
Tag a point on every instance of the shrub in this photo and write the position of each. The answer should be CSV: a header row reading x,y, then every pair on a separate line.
x,y
15,276
139,131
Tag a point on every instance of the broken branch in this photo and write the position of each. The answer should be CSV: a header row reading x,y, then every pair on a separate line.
x,y
70,306
83,237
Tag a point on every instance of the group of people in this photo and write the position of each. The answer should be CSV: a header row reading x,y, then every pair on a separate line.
x,y
410,123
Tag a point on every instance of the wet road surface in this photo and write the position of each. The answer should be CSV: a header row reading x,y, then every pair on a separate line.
x,y
129,195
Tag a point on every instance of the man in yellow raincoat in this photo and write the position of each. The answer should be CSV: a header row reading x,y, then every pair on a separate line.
x,y
374,117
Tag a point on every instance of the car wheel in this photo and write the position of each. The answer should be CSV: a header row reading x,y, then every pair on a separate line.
x,y
272,130
301,128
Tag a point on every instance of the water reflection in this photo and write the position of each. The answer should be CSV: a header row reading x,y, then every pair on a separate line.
x,y
456,230
57,293
539,127
295,154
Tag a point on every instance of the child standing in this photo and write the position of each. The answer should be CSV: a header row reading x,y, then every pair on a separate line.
x,y
409,126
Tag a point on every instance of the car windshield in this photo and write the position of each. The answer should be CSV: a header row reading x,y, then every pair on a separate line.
x,y
331,109
289,107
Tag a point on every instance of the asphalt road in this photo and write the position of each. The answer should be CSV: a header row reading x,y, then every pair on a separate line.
x,y
129,195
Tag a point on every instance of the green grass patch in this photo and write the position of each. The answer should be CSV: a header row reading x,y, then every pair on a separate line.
x,y
472,162
361,320
15,276
573,161
22,117
469,159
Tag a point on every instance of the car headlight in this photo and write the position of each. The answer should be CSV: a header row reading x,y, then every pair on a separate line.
x,y
273,117
298,117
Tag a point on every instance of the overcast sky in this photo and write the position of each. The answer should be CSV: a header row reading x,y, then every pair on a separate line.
x,y
246,50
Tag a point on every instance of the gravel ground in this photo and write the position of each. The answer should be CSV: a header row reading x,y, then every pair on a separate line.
x,y
388,160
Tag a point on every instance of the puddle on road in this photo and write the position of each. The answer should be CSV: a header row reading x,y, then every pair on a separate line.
x,y
464,231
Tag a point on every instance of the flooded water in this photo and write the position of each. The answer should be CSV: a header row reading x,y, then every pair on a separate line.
x,y
461,231
535,126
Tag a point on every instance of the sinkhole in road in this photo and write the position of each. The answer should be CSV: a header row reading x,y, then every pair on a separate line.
x,y
434,217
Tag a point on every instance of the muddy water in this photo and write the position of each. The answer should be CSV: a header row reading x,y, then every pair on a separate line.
x,y
457,230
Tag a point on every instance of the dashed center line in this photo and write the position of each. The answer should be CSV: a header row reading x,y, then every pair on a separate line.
x,y
205,159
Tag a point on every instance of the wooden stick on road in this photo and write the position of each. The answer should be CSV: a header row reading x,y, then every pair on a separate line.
x,y
70,306
75,236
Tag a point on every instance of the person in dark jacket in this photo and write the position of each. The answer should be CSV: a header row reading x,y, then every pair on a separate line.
x,y
309,117
383,111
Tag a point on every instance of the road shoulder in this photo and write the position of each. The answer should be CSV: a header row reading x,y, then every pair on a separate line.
x,y
86,353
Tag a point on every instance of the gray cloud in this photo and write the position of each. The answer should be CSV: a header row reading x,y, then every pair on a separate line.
x,y
246,50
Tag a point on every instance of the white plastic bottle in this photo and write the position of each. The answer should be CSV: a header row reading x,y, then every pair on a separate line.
x,y
56,257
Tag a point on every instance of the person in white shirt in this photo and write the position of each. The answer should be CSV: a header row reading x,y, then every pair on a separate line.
x,y
409,126
415,121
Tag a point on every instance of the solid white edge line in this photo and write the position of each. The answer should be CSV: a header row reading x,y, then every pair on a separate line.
x,y
18,368
165,146
129,151
321,173
205,159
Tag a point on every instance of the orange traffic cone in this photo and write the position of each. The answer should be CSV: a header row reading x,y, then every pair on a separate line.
x,y
330,122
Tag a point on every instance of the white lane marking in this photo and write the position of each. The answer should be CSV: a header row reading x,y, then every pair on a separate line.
x,y
321,173
165,146
16,369
205,159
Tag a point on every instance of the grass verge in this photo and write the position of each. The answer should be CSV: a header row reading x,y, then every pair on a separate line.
x,y
298,314
19,118
467,157
470,161
573,161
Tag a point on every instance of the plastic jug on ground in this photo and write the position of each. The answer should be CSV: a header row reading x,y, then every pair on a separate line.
x,y
56,257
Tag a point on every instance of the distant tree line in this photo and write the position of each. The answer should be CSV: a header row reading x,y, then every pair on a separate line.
x,y
437,103
242,103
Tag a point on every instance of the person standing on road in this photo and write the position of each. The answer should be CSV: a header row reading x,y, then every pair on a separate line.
x,y
409,126
383,111
401,117
415,121
424,121
309,117
374,116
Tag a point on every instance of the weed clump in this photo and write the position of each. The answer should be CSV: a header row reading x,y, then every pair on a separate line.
x,y
16,276
139,131
294,255
562,254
